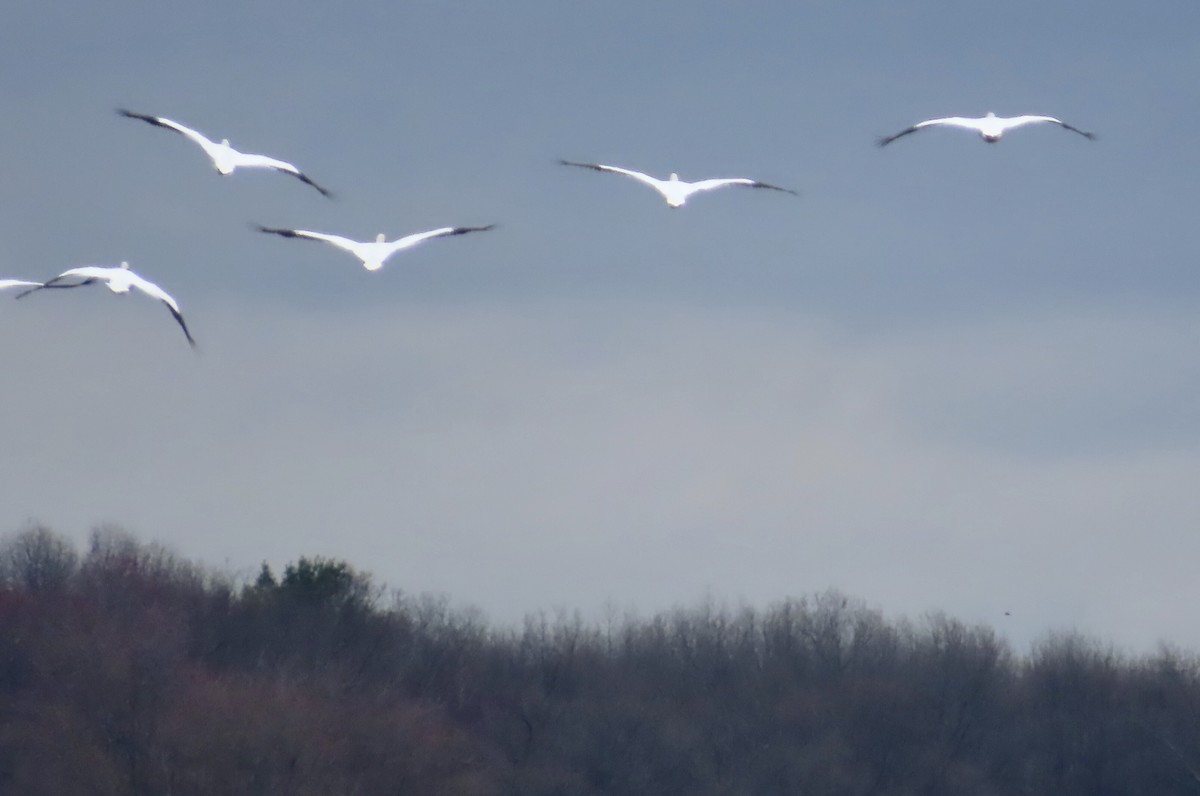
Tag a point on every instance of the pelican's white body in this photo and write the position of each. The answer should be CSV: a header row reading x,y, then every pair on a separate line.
x,y
374,253
676,191
119,279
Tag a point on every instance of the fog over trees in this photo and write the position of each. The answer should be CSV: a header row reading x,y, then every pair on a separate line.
x,y
127,670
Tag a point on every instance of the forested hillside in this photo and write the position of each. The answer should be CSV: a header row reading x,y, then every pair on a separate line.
x,y
125,670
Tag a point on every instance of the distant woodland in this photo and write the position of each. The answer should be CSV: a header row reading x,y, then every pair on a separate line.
x,y
126,670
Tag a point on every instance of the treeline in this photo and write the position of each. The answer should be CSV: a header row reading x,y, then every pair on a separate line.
x,y
125,670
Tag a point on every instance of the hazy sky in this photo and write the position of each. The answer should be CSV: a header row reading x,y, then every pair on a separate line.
x,y
949,376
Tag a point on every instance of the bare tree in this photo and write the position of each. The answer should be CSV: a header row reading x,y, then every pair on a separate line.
x,y
37,560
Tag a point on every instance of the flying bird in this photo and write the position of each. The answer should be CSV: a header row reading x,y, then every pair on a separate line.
x,y
7,283
374,253
224,157
119,279
673,189
990,127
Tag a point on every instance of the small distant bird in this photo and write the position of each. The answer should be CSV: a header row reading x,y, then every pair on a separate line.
x,y
675,190
224,157
119,280
7,283
374,253
991,127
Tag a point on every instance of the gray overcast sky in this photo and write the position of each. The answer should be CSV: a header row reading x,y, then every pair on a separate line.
x,y
950,376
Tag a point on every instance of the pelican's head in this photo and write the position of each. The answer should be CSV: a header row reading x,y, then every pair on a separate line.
x,y
379,238
674,177
224,142
125,264
990,115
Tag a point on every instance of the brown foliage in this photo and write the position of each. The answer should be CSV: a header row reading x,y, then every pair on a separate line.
x,y
127,671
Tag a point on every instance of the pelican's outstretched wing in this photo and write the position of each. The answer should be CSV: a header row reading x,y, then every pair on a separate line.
x,y
441,232
160,121
265,162
1018,121
336,240
154,291
708,185
637,175
88,275
7,283
952,121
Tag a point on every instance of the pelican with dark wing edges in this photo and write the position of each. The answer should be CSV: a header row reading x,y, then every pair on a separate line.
x,y
675,190
373,253
224,157
990,128
118,279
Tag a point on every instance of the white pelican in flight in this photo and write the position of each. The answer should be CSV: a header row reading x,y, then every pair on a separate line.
x,y
675,190
119,279
7,283
373,253
990,127
224,157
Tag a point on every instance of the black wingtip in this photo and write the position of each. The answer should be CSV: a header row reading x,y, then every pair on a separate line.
x,y
774,188
183,325
282,232
464,230
887,139
1084,133
304,178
